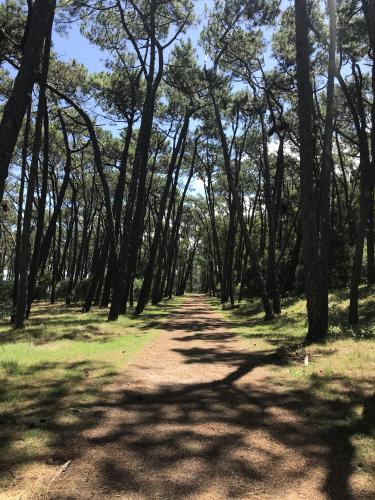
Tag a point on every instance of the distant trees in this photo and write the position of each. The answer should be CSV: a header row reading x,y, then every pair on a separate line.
x,y
236,177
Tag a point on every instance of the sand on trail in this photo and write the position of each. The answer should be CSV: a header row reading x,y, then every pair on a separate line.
x,y
198,415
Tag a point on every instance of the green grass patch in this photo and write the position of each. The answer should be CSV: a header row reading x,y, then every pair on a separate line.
x,y
53,371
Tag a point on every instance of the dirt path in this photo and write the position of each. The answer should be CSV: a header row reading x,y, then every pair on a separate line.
x,y
195,416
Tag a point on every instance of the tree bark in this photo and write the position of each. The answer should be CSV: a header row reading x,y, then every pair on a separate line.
x,y
25,248
25,148
327,166
310,251
272,278
15,108
148,274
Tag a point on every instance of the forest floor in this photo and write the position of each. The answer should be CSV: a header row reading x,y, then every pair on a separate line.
x,y
209,404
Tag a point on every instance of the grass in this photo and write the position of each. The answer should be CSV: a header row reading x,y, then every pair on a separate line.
x,y
52,376
337,384
52,373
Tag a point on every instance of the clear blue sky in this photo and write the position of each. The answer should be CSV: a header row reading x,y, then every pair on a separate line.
x,y
75,46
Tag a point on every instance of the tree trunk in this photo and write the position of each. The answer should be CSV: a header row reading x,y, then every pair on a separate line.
x,y
34,265
369,11
316,323
134,212
49,234
147,281
25,249
258,277
25,147
272,279
327,167
15,108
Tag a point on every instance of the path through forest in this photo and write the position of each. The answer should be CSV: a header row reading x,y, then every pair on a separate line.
x,y
196,415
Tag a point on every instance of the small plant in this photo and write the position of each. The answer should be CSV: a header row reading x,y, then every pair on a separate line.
x,y
11,367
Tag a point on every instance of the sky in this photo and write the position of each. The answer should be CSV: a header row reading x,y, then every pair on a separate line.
x,y
75,46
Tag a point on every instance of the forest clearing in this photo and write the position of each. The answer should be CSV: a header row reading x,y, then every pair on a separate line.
x,y
187,249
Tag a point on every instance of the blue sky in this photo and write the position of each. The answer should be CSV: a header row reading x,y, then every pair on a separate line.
x,y
75,46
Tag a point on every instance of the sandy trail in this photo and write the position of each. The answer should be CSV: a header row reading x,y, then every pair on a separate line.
x,y
196,415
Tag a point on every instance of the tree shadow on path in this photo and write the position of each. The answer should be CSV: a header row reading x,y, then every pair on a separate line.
x,y
231,438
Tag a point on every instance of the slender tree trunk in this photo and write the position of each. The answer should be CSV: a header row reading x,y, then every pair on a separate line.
x,y
327,167
50,232
175,234
25,249
366,185
15,108
134,217
68,238
369,11
41,210
272,278
258,276
316,322
73,257
370,242
25,148
278,184
293,261
97,272
117,208
110,223
147,281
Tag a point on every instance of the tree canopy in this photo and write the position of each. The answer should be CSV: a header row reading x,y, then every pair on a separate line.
x,y
244,166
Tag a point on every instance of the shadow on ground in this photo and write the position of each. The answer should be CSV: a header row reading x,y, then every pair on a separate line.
x,y
170,427
163,430
46,410
45,406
